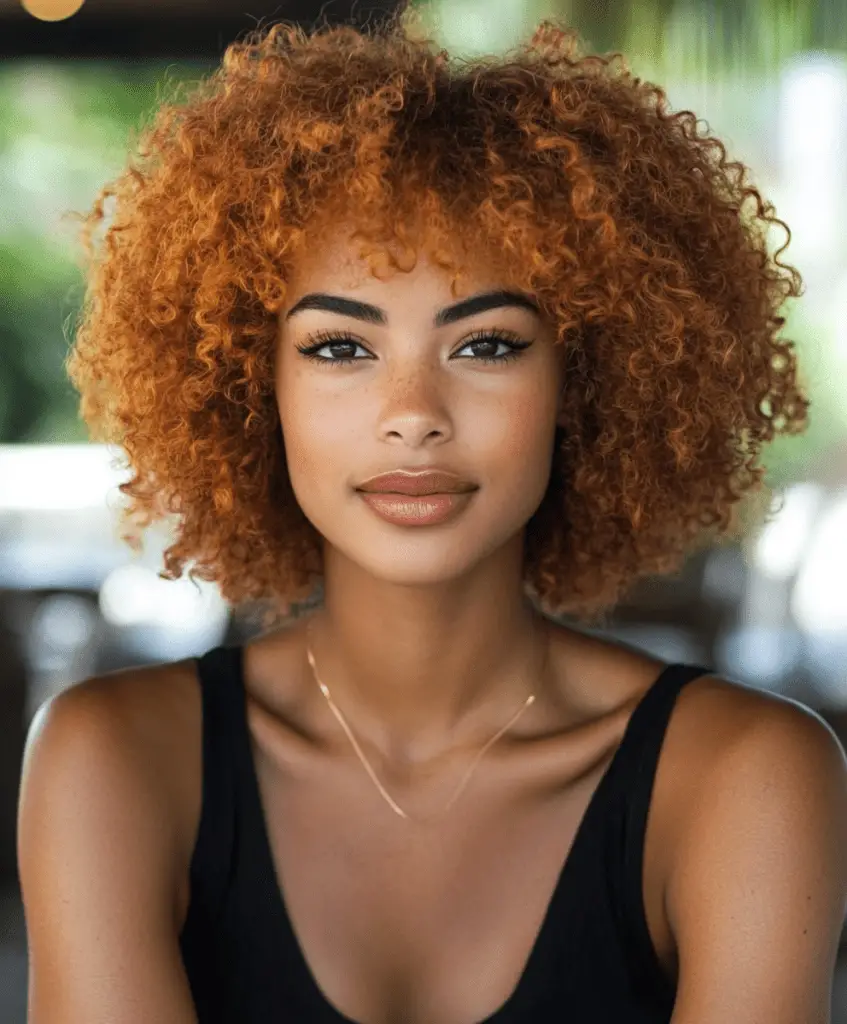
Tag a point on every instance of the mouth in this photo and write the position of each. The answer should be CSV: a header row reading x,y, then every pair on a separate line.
x,y
417,509
417,484
410,493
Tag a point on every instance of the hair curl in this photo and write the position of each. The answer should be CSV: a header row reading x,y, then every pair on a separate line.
x,y
624,223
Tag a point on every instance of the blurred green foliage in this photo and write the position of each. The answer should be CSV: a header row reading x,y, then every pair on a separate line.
x,y
64,131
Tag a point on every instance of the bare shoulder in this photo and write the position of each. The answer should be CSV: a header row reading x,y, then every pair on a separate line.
x,y
716,723
736,732
155,712
710,712
100,846
722,718
138,726
769,804
730,750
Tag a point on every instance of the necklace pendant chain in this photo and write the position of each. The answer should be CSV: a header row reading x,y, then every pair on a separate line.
x,y
385,795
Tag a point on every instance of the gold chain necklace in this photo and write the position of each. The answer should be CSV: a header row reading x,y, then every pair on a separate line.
x,y
394,806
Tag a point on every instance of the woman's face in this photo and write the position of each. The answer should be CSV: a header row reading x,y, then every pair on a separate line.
x,y
415,395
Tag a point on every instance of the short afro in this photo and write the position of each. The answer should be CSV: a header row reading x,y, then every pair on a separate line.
x,y
623,221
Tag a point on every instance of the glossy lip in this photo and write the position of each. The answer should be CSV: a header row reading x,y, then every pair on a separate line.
x,y
416,510
428,481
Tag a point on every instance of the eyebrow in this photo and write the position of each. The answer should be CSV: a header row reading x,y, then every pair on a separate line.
x,y
449,315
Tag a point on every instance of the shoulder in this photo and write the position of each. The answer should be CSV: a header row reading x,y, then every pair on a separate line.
x,y
755,896
725,741
141,710
129,734
750,745
733,730
99,853
153,711
711,713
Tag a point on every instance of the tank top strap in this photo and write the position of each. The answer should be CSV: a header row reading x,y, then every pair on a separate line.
x,y
222,701
638,760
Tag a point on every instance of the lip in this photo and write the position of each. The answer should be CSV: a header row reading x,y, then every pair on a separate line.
x,y
417,510
429,481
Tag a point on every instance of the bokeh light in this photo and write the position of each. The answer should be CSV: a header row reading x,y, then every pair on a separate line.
x,y
52,10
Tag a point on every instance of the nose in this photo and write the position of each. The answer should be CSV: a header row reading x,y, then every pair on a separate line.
x,y
415,409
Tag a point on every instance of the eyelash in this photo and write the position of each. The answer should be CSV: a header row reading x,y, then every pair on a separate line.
x,y
328,338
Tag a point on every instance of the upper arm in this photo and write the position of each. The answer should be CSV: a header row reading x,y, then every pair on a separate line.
x,y
96,864
758,891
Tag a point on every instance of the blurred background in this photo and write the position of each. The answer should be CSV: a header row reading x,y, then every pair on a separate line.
x,y
76,80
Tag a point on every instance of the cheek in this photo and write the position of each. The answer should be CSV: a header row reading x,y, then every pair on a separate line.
x,y
515,451
312,434
524,430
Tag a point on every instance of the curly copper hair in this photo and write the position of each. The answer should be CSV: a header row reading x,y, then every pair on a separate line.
x,y
624,223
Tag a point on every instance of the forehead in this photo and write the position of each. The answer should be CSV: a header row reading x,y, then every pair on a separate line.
x,y
336,259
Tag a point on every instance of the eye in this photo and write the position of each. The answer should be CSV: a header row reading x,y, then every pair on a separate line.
x,y
485,339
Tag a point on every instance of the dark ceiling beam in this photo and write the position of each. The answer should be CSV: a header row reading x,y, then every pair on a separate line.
x,y
171,30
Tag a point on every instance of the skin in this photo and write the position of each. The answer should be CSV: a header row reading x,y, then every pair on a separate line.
x,y
425,640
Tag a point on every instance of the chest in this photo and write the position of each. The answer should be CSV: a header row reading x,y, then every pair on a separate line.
x,y
436,923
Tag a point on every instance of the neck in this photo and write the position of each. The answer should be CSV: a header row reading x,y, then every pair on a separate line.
x,y
418,671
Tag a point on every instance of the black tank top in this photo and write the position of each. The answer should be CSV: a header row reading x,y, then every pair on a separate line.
x,y
593,961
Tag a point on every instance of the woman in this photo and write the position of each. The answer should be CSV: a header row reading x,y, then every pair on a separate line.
x,y
532,292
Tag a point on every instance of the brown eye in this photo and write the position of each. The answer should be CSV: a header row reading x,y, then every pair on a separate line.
x,y
343,340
